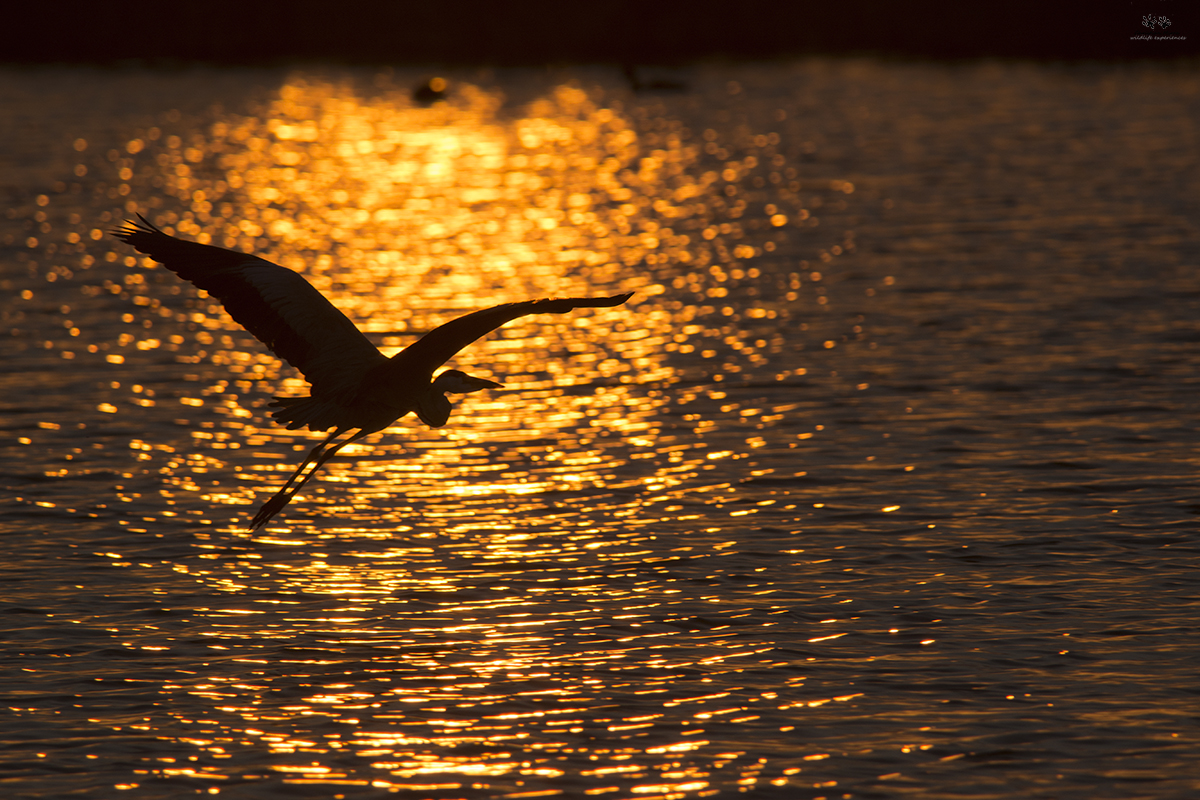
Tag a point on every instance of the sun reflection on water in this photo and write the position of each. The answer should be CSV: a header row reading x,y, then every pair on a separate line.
x,y
407,216
505,577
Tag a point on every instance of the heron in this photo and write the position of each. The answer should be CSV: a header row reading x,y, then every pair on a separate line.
x,y
354,389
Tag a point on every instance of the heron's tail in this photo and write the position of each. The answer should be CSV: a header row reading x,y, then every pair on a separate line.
x,y
297,412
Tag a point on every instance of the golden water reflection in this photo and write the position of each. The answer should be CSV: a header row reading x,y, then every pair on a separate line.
x,y
488,656
407,216
466,609
419,215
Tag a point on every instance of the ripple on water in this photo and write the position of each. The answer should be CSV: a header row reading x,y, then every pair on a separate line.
x,y
882,483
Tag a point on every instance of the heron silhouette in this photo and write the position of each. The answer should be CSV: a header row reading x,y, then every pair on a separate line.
x,y
354,387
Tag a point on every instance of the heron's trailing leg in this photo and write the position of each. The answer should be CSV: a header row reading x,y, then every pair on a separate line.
x,y
313,455
316,457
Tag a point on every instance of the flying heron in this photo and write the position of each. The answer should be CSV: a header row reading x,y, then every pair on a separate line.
x,y
354,386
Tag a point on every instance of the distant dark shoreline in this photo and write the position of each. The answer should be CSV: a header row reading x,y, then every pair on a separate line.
x,y
539,32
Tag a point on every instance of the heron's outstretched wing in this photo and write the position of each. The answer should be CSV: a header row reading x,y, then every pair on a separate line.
x,y
275,304
440,344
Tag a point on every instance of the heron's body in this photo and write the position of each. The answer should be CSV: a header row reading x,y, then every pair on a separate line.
x,y
354,386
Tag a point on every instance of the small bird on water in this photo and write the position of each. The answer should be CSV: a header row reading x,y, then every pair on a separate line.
x,y
354,386
429,92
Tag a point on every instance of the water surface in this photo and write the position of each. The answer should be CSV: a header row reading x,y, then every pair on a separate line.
x,y
881,486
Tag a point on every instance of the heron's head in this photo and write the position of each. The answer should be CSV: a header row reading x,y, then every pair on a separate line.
x,y
458,382
434,409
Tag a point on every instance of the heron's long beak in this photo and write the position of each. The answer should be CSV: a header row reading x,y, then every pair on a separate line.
x,y
472,384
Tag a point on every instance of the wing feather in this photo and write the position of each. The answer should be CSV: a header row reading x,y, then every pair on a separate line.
x,y
439,345
277,305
